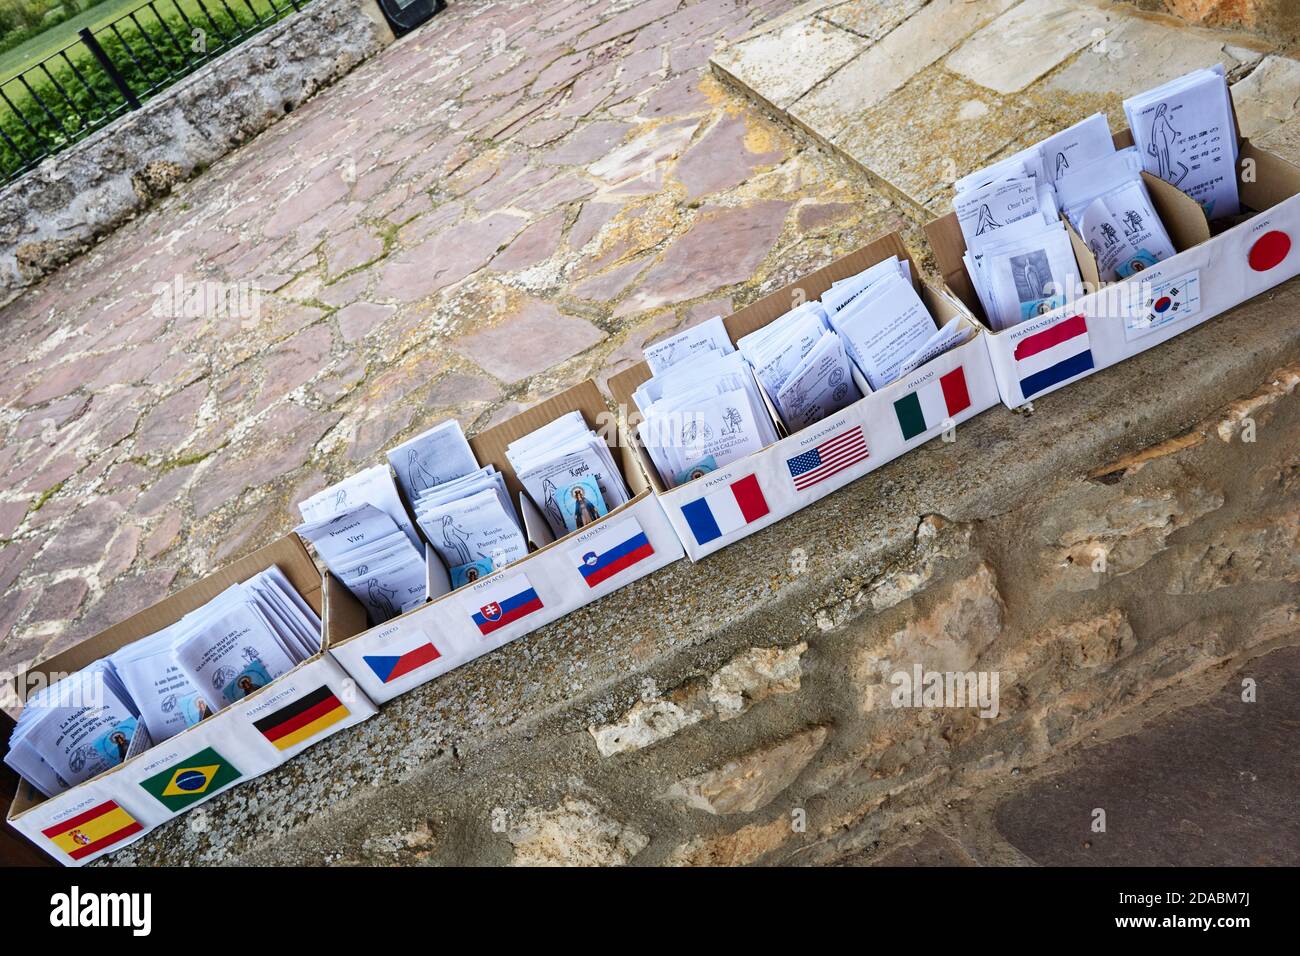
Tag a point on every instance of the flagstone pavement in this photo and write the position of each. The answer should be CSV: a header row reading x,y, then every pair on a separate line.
x,y
514,198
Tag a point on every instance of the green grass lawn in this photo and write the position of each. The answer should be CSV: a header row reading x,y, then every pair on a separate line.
x,y
60,35
57,37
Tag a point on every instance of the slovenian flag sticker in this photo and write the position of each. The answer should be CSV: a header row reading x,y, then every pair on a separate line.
x,y
610,550
504,602
1054,355
728,509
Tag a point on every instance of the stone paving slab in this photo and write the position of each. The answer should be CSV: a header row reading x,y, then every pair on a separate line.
x,y
1270,115
787,63
841,101
945,86
1028,41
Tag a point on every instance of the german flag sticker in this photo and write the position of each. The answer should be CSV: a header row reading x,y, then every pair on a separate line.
x,y
302,719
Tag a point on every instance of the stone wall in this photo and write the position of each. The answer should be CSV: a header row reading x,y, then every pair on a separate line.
x,y
1279,19
59,209
1136,530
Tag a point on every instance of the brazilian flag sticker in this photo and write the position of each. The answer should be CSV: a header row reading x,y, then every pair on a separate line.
x,y
191,780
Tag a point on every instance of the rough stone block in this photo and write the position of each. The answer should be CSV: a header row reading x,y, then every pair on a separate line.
x,y
933,130
1027,42
752,781
843,103
784,64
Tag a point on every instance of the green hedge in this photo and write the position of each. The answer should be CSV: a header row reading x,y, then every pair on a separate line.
x,y
162,56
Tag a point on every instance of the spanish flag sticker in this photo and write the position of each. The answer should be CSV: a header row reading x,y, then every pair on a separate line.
x,y
97,829
302,719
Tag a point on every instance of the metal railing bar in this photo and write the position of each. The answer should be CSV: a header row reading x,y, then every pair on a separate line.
x,y
63,99
22,78
168,30
64,93
126,46
21,118
144,35
208,13
81,79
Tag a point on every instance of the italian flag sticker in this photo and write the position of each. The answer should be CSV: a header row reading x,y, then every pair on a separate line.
x,y
931,404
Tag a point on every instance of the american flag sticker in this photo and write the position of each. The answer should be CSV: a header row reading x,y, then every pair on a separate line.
x,y
832,456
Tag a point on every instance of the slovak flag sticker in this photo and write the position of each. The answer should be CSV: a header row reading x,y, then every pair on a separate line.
x,y
502,602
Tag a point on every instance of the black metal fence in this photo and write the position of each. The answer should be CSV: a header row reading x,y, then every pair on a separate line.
x,y
114,68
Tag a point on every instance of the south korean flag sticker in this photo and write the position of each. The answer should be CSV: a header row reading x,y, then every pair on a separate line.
x,y
1168,301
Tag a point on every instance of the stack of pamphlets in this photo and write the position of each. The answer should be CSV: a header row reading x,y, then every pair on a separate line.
x,y
1018,253
1011,214
1110,208
464,510
802,365
361,530
568,472
1186,135
701,406
155,687
885,327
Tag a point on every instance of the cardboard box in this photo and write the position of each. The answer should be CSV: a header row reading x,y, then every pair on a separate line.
x,y
1209,275
457,626
246,739
764,482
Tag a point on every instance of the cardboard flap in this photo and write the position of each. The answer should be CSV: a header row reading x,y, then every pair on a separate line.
x,y
637,481
782,430
536,528
623,386
437,579
1265,179
1183,217
949,245
25,797
1089,269
344,615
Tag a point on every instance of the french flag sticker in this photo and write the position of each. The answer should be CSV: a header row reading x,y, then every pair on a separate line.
x,y
728,509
